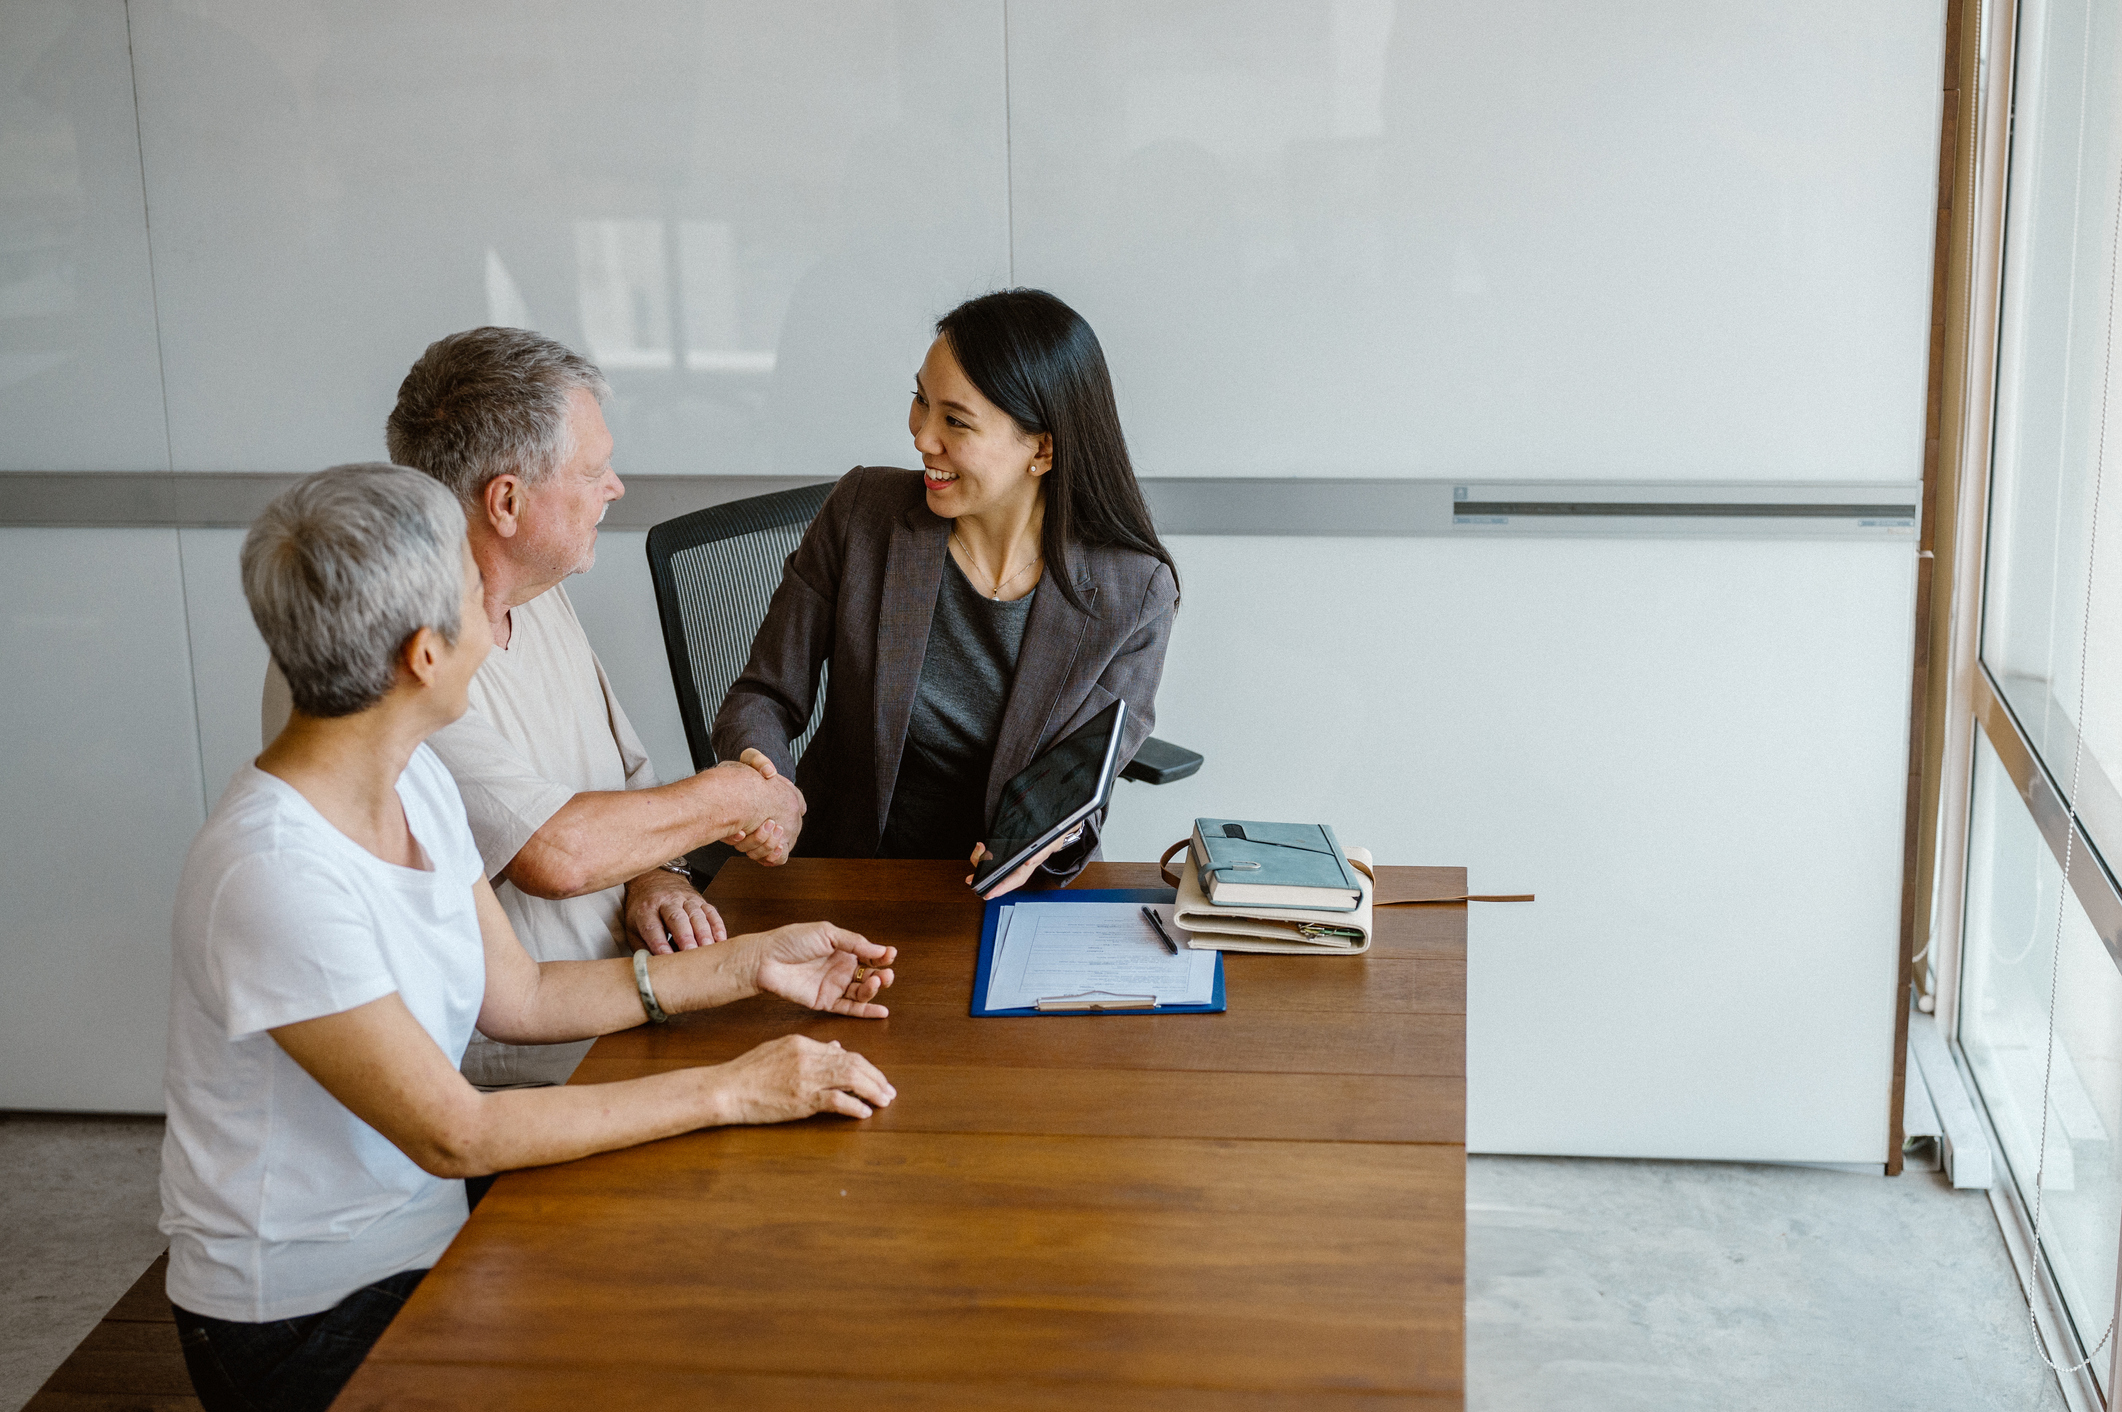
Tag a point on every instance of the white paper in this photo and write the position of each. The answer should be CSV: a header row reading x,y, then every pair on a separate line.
x,y
1046,950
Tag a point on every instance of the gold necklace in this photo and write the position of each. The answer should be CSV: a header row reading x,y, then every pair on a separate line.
x,y
996,593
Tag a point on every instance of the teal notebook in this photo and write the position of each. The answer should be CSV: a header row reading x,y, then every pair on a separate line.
x,y
1246,863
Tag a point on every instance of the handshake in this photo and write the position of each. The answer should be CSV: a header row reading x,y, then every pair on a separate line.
x,y
765,809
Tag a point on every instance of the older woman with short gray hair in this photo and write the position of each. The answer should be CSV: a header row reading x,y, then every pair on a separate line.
x,y
336,940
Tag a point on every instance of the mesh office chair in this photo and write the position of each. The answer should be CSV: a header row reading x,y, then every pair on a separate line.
x,y
715,572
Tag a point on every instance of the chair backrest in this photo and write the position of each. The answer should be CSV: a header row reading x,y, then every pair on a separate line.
x,y
715,572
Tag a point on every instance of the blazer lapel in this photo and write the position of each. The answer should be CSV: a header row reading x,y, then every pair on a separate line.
x,y
1045,665
913,573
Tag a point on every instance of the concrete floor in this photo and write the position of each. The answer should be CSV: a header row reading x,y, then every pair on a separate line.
x,y
1599,1286
77,1226
1591,1285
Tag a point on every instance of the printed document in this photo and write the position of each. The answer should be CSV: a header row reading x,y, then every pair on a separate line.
x,y
1048,950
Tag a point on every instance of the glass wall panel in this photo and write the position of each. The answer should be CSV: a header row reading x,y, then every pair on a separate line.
x,y
2056,404
2013,882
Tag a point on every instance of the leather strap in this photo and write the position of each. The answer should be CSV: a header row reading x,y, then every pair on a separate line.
x,y
1162,863
1164,868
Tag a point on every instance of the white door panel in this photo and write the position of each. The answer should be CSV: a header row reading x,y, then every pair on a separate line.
x,y
1694,753
99,764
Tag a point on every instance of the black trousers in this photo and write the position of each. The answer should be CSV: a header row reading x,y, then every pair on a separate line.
x,y
288,1365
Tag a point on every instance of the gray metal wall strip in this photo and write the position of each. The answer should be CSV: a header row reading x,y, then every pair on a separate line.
x,y
219,500
2090,882
1698,509
1291,506
1298,506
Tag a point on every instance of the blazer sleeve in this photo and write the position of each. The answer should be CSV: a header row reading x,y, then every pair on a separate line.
x,y
771,701
1132,675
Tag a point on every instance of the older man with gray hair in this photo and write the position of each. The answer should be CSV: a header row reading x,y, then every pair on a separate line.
x,y
583,845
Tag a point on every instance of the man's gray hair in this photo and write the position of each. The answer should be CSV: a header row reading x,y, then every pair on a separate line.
x,y
342,568
487,402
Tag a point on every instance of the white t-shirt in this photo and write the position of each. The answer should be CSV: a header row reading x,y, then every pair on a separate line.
x,y
544,725
277,1200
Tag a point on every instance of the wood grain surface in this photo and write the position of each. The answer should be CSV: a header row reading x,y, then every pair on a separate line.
x,y
130,1362
1259,1209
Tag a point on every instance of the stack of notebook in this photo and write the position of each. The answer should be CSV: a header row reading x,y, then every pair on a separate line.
x,y
1250,886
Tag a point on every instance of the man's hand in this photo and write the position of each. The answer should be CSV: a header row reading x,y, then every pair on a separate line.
x,y
664,913
795,1076
819,965
775,814
1024,872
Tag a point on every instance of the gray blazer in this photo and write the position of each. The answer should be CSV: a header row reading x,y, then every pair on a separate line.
x,y
859,593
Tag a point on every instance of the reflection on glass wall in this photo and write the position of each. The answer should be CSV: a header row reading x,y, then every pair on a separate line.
x,y
619,278
1318,237
1360,237
749,215
2013,882
79,384
2056,402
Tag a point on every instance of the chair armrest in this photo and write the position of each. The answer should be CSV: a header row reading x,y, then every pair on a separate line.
x,y
1161,762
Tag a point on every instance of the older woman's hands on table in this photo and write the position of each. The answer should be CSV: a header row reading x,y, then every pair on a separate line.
x,y
824,967
795,1076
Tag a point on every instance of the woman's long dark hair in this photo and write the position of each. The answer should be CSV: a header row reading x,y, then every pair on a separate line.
x,y
1036,359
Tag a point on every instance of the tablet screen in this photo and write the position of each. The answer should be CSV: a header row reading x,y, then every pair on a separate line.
x,y
1052,793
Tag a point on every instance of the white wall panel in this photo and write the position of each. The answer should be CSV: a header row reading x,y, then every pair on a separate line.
x,y
99,764
1692,753
80,384
749,215
228,656
1525,238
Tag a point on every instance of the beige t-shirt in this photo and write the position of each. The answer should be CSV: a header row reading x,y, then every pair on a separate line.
x,y
544,725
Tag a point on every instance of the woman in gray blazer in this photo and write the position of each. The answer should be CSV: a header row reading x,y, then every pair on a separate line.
x,y
973,612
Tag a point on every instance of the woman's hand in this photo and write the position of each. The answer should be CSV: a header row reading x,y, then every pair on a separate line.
x,y
665,913
795,1076
824,967
765,845
770,842
1024,873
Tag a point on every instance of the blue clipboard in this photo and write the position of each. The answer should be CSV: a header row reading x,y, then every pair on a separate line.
x,y
990,926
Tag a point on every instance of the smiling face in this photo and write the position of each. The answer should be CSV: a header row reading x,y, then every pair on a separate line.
x,y
976,460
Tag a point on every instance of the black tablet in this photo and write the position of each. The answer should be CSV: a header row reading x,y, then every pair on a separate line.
x,y
1053,794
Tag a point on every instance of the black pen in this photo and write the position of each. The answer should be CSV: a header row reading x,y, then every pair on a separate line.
x,y
1163,935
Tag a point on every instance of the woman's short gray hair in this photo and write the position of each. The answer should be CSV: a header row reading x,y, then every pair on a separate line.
x,y
342,568
486,402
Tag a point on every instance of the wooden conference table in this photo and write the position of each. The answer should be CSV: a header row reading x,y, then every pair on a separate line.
x,y
1260,1209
